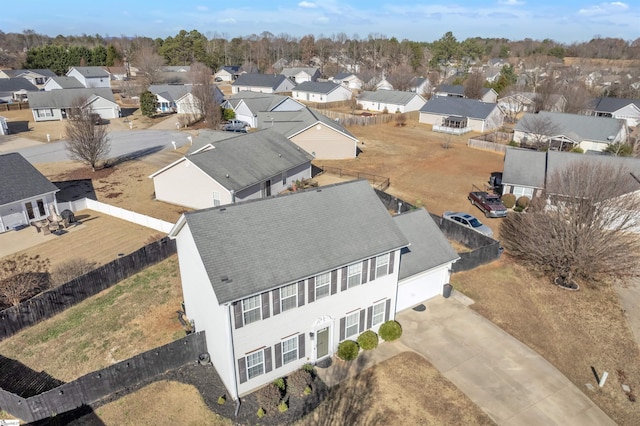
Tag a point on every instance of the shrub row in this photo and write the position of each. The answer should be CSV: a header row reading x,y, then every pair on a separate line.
x,y
349,349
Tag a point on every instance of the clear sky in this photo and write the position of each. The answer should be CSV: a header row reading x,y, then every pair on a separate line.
x,y
561,20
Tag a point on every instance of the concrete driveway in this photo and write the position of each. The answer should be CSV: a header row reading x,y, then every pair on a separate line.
x,y
505,378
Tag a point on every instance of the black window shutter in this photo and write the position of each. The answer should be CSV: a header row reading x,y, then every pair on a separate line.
x,y
364,271
276,301
278,355
372,269
311,289
387,310
237,314
300,293
334,281
369,316
242,369
343,286
363,313
265,305
342,325
391,259
267,360
301,339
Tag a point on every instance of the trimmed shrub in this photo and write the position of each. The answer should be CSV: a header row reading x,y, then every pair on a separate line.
x,y
298,381
385,110
523,202
269,396
509,200
513,143
348,350
307,390
308,367
577,150
368,340
279,383
222,400
260,413
283,407
390,330
518,209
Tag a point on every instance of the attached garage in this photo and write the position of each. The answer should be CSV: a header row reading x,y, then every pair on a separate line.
x,y
420,287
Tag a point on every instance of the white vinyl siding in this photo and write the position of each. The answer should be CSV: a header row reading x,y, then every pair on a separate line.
x,y
288,297
323,285
351,325
382,265
216,198
289,350
252,309
255,364
377,316
354,275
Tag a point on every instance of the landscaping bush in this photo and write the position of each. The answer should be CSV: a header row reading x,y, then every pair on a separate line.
x,y
269,396
523,202
348,350
307,390
279,383
509,200
308,367
390,330
283,407
513,143
577,150
518,209
298,381
368,340
260,413
221,400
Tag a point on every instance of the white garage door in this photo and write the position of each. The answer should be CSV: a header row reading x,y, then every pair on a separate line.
x,y
416,289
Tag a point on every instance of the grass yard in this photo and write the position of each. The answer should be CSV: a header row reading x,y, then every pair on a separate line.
x,y
135,315
572,330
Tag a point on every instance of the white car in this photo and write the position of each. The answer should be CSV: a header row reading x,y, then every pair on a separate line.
x,y
469,221
235,126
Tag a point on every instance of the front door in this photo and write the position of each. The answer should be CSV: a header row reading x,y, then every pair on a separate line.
x,y
267,189
322,343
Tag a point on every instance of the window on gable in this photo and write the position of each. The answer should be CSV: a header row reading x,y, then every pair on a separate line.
x,y
354,275
255,364
382,265
288,297
252,309
216,198
377,315
323,285
289,350
351,325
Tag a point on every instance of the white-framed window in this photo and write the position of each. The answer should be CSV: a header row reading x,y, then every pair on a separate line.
x,y
382,265
216,198
288,297
323,285
519,191
289,350
377,315
354,275
351,325
45,113
252,309
255,364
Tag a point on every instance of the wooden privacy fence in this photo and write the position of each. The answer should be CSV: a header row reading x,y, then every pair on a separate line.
x,y
379,182
359,120
14,106
56,300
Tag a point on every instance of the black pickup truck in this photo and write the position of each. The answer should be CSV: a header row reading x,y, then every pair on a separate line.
x,y
490,204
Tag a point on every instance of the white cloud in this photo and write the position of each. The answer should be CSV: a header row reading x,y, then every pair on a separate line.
x,y
604,8
511,2
202,8
307,5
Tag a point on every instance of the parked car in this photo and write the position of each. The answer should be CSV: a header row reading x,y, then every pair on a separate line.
x,y
96,118
235,126
489,204
469,221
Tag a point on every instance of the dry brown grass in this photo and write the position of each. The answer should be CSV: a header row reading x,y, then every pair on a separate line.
x,y
572,330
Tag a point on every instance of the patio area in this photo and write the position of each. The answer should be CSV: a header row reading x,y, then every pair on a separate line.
x,y
15,241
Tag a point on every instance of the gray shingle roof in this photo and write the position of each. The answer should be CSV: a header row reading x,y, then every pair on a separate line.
x,y
68,82
290,72
462,107
613,104
576,126
264,244
343,75
249,158
16,84
257,101
524,167
64,98
290,123
43,72
317,87
457,89
20,180
429,247
92,72
394,97
259,80
171,92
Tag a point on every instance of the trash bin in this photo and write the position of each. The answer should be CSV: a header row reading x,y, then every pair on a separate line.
x,y
446,291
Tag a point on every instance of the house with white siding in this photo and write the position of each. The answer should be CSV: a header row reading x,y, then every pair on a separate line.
x,y
348,80
54,104
262,83
91,77
15,89
247,105
227,73
620,108
301,74
279,282
457,115
37,77
321,92
457,91
179,98
229,168
390,100
57,83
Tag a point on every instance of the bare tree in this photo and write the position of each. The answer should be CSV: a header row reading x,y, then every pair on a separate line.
x,y
400,77
474,85
87,139
206,104
539,128
22,276
149,64
513,104
578,97
581,227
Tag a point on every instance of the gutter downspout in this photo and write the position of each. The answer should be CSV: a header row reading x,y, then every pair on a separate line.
x,y
233,360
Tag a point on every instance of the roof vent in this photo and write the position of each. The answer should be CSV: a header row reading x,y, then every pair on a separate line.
x,y
227,175
224,209
225,279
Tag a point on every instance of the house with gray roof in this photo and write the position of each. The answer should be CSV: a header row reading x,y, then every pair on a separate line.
x,y
54,104
457,115
620,108
279,282
15,89
301,74
518,102
420,85
227,170
348,79
262,83
562,129
392,101
25,194
179,98
227,73
247,105
57,83
91,77
457,91
321,92
37,77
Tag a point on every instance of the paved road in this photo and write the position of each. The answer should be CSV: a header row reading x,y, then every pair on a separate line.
x,y
123,144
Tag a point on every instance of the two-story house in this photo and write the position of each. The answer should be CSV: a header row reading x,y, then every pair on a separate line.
x,y
91,77
279,282
262,83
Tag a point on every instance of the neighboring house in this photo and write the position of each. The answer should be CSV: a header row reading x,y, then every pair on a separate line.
x,y
53,105
37,77
4,127
228,73
91,77
625,109
15,89
461,115
420,85
301,74
263,83
383,84
349,80
457,91
178,98
25,194
242,167
526,171
247,105
321,92
272,293
390,100
57,83
587,132
175,74
526,102
117,73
